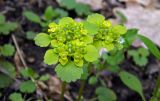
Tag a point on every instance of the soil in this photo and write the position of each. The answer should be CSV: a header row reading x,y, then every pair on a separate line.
x,y
33,54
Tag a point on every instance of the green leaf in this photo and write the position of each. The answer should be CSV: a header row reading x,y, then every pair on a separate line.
x,y
32,16
28,72
114,69
2,19
42,40
69,72
105,94
44,77
151,46
61,12
154,99
16,97
7,50
88,39
95,18
115,59
49,13
82,9
119,29
27,87
6,81
130,36
98,45
139,56
12,26
91,53
142,61
93,80
30,35
7,27
50,57
69,4
91,28
143,51
65,20
132,82
8,68
4,29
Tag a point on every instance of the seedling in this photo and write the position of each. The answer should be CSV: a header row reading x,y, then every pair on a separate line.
x,y
16,97
6,26
7,69
79,8
139,56
29,85
49,15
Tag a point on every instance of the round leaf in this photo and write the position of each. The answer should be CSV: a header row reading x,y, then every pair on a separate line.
x,y
91,28
8,68
105,94
27,87
7,50
95,18
88,39
65,20
93,80
82,9
16,97
69,4
119,29
42,40
69,72
50,57
30,35
2,19
6,80
91,53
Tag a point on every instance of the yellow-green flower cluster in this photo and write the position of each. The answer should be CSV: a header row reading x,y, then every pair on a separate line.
x,y
79,41
69,39
75,43
108,36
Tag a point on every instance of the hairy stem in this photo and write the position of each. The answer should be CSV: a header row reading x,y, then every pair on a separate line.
x,y
81,90
62,91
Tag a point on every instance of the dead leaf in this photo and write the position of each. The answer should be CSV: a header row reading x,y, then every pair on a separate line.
x,y
54,85
95,4
18,63
142,2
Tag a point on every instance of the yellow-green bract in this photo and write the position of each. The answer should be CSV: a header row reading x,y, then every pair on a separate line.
x,y
78,43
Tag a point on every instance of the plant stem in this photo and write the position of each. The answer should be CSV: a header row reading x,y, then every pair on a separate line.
x,y
156,90
81,90
62,91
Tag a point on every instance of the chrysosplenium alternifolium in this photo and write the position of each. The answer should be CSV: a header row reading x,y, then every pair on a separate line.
x,y
76,43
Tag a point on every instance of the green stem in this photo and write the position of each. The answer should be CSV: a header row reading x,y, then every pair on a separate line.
x,y
156,90
157,87
62,91
81,90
